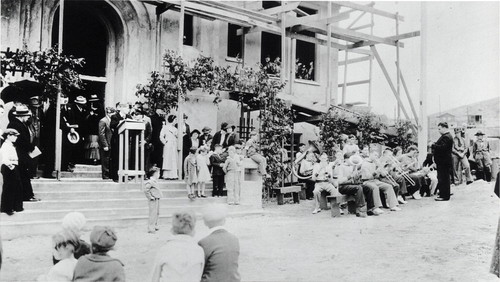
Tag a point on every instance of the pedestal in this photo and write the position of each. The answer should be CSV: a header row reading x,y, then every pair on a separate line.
x,y
251,184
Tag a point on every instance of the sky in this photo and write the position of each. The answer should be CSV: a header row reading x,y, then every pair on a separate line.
x,y
462,56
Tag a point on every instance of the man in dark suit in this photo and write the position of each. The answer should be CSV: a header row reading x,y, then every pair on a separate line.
x,y
24,147
121,114
442,157
105,141
220,137
78,115
222,249
217,162
157,120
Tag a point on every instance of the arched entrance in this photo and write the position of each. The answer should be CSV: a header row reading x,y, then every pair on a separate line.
x,y
92,30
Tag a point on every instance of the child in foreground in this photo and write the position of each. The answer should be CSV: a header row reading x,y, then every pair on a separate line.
x,y
153,194
232,168
65,243
99,266
191,173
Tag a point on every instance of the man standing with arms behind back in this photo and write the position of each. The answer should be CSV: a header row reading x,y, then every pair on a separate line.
x,y
105,141
222,249
442,157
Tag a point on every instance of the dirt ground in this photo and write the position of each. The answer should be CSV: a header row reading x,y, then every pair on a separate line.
x,y
426,241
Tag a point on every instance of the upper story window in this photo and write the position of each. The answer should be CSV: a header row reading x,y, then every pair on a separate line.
x,y
475,119
270,4
188,30
305,55
234,42
270,48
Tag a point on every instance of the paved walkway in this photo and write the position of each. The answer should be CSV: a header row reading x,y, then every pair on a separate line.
x,y
426,241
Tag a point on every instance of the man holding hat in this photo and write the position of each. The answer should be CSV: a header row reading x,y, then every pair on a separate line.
x,y
24,147
481,154
78,115
442,157
222,249
220,137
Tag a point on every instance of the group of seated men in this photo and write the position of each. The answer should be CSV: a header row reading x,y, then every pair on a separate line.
x,y
374,181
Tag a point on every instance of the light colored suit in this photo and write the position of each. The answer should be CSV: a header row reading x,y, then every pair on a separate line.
x,y
222,251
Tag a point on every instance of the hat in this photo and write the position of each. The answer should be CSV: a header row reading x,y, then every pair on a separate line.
x,y
22,110
195,131
35,101
103,236
80,100
73,137
223,126
10,131
93,98
74,221
206,129
479,132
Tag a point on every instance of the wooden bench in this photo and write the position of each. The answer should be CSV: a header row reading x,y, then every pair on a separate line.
x,y
302,193
336,201
280,193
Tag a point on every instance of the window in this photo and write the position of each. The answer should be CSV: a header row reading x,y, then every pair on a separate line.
x,y
188,30
270,54
475,119
270,4
234,42
305,55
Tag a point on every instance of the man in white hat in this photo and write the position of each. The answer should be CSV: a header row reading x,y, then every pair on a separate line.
x,y
78,117
222,249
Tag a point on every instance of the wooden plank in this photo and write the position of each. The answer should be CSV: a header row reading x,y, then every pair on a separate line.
x,y
356,20
395,38
405,87
328,96
398,82
324,42
368,9
356,60
344,86
362,27
388,78
355,83
344,34
281,9
241,11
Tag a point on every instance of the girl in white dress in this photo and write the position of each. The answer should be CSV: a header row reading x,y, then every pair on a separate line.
x,y
203,161
168,137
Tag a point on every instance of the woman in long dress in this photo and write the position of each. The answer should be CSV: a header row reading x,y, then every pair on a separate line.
x,y
168,137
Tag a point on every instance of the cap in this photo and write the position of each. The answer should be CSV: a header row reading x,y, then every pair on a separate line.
x,y
10,131
74,221
103,236
206,129
479,132
22,111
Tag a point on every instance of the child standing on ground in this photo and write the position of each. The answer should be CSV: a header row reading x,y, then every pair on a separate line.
x,y
65,243
217,161
99,266
153,194
191,172
203,172
232,168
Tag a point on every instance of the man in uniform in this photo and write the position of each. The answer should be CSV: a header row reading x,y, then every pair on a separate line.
x,y
481,154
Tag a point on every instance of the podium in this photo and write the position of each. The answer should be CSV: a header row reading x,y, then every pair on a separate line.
x,y
131,151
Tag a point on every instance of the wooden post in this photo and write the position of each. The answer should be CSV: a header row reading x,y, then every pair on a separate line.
x,y
158,42
371,66
137,149
58,99
407,92
180,114
293,46
120,158
388,78
344,87
283,46
143,158
398,87
423,126
125,161
328,95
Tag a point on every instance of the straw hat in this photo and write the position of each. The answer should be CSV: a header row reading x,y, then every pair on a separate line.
x,y
80,100
21,111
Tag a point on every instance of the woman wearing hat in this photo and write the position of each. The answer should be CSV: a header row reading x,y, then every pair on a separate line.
x,y
12,194
168,137
92,154
481,154
189,141
24,147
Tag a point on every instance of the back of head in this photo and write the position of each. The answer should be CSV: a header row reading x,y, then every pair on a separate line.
x,y
215,215
64,238
74,221
184,223
102,238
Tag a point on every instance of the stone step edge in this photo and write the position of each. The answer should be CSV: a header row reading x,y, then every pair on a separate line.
x,y
198,215
116,191
93,180
108,200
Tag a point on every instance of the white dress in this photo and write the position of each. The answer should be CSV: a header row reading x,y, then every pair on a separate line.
x,y
203,172
168,137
